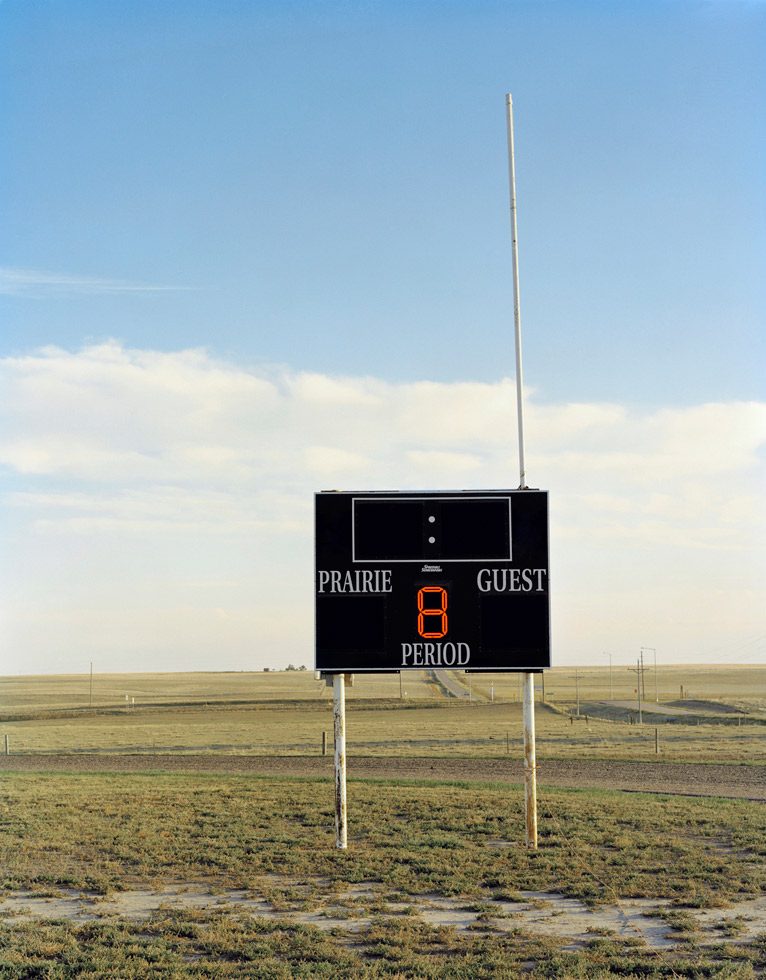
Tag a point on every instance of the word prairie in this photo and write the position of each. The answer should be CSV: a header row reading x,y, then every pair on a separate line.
x,y
355,583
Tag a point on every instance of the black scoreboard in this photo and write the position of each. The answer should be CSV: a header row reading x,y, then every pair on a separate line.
x,y
413,580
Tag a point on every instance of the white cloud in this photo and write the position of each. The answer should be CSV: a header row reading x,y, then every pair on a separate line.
x,y
330,462
167,481
36,282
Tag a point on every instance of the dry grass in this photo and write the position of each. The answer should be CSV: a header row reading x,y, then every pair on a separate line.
x,y
273,838
286,713
107,831
73,691
451,729
733,684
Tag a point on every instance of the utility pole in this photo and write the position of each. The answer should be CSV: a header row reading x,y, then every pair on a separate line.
x,y
656,687
611,688
639,669
577,690
90,699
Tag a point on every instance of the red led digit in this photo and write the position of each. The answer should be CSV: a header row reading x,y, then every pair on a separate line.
x,y
433,632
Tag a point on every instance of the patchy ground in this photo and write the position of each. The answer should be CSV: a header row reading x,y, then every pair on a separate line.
x,y
686,779
134,872
351,910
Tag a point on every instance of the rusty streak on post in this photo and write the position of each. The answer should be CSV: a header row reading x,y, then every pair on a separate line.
x,y
339,718
530,764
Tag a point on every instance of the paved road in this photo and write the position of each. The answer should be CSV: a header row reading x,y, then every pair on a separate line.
x,y
449,684
685,779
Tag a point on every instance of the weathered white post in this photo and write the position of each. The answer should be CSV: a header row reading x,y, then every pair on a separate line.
x,y
530,762
339,719
530,768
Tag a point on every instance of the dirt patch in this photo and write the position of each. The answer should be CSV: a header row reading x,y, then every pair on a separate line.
x,y
688,779
709,707
542,913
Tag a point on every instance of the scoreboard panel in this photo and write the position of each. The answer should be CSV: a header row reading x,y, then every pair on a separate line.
x,y
412,580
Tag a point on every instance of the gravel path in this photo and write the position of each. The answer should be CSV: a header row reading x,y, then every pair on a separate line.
x,y
686,779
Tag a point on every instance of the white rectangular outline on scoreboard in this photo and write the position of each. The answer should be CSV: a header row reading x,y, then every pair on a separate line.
x,y
427,561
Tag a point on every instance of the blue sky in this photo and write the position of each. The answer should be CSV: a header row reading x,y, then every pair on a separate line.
x,y
324,185
315,191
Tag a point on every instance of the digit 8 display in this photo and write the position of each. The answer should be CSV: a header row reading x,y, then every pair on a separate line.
x,y
432,633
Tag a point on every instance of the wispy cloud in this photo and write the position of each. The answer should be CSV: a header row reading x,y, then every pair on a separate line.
x,y
36,283
171,483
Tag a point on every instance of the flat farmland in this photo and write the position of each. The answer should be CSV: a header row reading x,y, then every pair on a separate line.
x,y
191,834
442,729
734,685
109,691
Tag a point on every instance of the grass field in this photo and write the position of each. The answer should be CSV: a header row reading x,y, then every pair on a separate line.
x,y
455,729
73,691
286,713
412,847
238,875
744,685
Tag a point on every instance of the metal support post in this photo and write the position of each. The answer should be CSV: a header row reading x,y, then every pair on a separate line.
x,y
530,764
516,292
339,719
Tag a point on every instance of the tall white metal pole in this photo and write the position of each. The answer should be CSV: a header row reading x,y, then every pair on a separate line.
x,y
530,762
516,294
339,720
530,766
